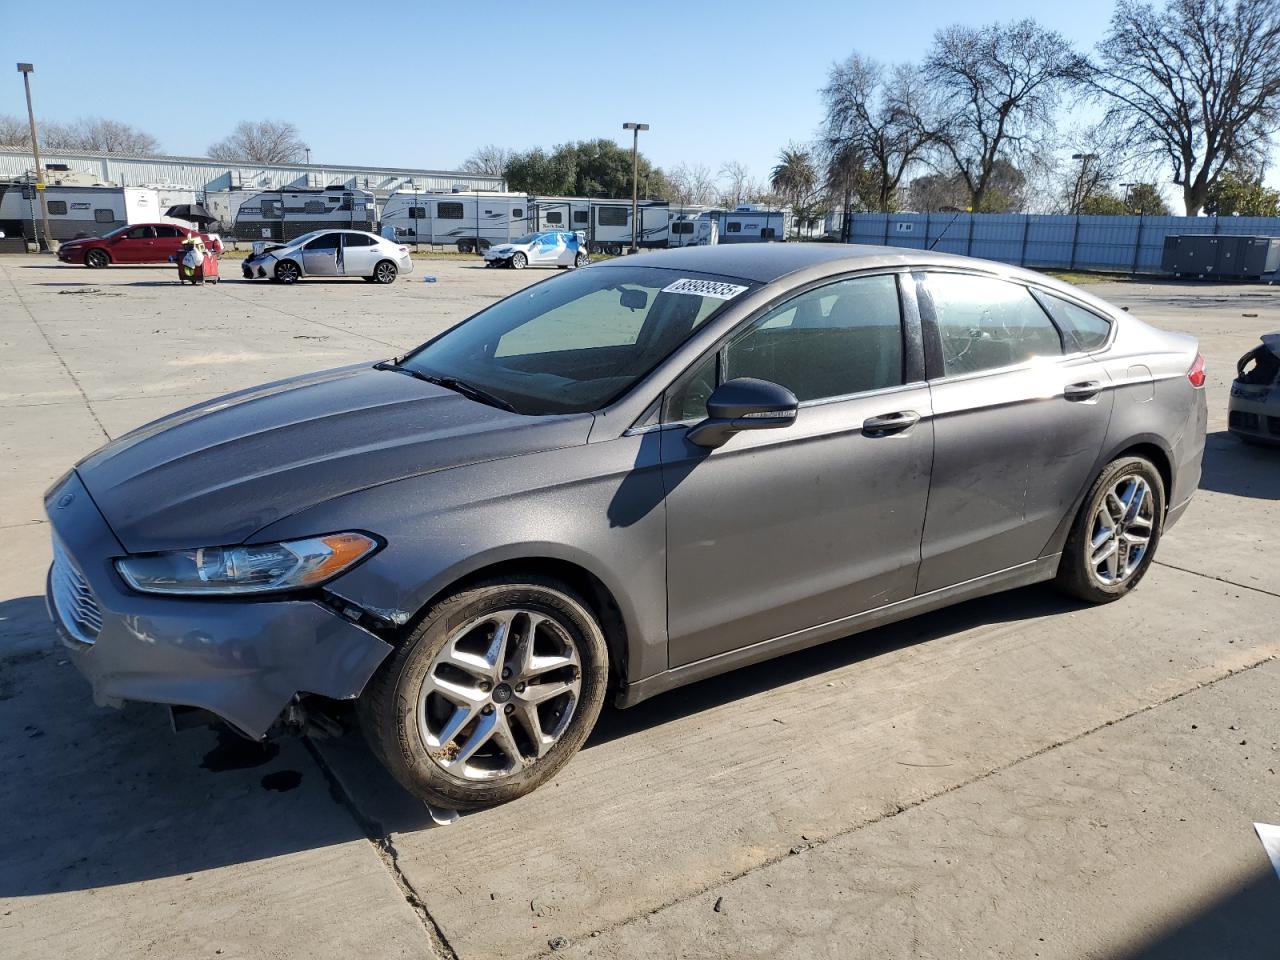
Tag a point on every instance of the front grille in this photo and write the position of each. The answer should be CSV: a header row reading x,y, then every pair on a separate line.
x,y
1242,420
72,598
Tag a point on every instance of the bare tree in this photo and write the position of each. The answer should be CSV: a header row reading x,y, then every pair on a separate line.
x,y
490,159
692,184
87,133
14,131
997,87
1196,80
735,183
877,119
262,141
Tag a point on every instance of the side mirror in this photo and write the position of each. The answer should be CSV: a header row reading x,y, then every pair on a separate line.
x,y
744,403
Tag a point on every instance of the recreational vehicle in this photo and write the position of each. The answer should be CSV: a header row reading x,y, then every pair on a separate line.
x,y
749,223
288,214
691,227
471,220
83,211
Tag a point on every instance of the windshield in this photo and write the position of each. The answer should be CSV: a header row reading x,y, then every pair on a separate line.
x,y
576,343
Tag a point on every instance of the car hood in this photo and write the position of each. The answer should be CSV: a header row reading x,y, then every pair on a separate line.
x,y
215,473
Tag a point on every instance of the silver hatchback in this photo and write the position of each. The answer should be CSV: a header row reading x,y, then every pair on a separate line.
x,y
330,253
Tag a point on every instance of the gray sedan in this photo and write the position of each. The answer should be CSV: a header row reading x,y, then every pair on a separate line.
x,y
330,253
615,482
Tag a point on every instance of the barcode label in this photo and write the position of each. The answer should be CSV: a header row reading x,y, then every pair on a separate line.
x,y
705,288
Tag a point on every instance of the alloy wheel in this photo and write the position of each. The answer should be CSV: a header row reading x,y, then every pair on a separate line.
x,y
1120,533
287,272
499,694
385,272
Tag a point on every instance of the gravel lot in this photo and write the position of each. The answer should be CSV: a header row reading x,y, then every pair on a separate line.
x,y
1018,776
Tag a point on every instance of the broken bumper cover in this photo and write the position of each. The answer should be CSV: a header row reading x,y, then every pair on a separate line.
x,y
243,660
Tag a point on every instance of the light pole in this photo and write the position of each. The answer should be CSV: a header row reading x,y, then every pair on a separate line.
x,y
1084,159
42,242
1127,188
635,129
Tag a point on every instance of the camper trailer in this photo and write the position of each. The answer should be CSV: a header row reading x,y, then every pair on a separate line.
x,y
288,214
610,226
83,210
693,226
471,220
750,223
562,213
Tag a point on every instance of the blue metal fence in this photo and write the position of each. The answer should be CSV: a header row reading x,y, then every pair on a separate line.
x,y
1120,244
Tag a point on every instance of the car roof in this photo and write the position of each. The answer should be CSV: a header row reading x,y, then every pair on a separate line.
x,y
766,262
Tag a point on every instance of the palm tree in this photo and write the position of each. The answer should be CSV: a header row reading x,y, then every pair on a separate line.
x,y
795,178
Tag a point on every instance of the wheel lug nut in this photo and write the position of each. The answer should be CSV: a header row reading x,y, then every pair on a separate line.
x,y
510,709
485,686
506,673
519,688
488,709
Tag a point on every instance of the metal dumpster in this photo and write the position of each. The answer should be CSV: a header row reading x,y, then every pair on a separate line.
x,y
1221,256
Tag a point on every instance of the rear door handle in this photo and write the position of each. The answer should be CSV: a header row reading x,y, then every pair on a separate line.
x,y
1086,390
890,423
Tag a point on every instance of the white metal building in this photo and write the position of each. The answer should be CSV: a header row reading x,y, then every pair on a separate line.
x,y
201,173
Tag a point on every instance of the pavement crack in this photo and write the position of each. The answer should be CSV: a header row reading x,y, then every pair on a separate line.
x,y
1210,576
899,808
57,356
380,839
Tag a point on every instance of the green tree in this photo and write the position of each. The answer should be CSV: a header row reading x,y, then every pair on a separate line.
x,y
585,168
795,178
1102,204
1144,200
1237,195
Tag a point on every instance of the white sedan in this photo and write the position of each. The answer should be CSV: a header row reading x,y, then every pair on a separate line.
x,y
550,248
330,253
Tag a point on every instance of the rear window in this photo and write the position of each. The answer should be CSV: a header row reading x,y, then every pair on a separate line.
x,y
1082,330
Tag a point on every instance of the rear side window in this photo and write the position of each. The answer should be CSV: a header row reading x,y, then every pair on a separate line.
x,y
985,323
358,240
838,339
1082,329
168,232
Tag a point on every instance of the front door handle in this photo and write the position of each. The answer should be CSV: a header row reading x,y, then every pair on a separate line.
x,y
890,423
1086,390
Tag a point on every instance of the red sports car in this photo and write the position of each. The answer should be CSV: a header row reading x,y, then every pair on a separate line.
x,y
136,243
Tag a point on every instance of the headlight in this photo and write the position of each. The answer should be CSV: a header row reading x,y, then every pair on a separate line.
x,y
260,568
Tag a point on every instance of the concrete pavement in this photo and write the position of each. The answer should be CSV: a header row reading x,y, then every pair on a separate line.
x,y
1017,776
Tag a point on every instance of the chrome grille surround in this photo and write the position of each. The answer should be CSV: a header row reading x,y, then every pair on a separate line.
x,y
73,599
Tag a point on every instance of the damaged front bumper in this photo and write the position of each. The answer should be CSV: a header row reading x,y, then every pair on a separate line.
x,y
243,660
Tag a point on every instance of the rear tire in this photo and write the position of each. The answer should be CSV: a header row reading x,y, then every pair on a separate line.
x,y
453,681
385,272
1113,542
97,259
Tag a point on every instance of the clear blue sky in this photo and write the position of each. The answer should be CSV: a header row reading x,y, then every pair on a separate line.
x,y
422,85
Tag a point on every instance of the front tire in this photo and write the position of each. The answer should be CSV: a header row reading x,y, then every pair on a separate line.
x,y
385,272
581,260
491,694
287,272
519,261
97,259
1114,537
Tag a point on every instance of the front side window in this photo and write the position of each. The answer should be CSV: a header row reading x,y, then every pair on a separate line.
x,y
1083,330
141,233
985,323
326,241
612,216
838,339
577,343
448,211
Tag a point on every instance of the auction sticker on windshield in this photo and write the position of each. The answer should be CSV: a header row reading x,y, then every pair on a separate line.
x,y
705,288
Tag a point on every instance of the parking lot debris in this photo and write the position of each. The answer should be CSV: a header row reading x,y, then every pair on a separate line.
x,y
429,279
719,907
557,943
440,816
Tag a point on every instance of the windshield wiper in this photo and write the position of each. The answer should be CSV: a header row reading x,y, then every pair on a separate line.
x,y
470,391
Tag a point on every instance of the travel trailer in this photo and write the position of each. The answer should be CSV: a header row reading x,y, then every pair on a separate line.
x,y
288,214
691,228
750,223
471,220
83,210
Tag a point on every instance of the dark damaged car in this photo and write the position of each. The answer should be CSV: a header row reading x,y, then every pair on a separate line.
x,y
615,482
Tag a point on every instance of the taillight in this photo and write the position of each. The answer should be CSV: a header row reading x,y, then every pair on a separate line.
x,y
404,249
1196,374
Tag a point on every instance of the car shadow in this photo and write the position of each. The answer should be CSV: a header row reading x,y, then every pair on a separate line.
x,y
1235,467
95,797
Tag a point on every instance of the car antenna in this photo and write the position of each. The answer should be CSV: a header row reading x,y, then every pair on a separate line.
x,y
945,229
